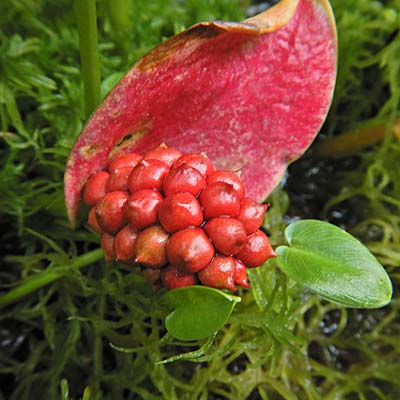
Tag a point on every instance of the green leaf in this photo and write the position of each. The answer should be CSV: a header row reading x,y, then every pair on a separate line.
x,y
64,390
199,311
334,264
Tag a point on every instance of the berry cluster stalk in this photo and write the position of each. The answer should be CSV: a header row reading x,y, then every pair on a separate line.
x,y
85,12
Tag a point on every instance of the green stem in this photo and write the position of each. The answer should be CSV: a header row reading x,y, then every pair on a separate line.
x,y
38,281
98,346
85,12
119,15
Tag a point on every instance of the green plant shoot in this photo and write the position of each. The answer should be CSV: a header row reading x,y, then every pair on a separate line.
x,y
334,264
321,256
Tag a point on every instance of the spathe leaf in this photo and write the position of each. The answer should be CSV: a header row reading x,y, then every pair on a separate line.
x,y
252,95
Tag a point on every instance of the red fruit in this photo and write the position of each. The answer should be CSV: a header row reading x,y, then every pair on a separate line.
x,y
227,235
179,211
124,161
151,247
219,199
118,179
152,277
219,273
142,208
107,244
110,212
257,250
251,214
124,244
230,177
189,250
95,188
163,153
240,277
183,179
174,279
92,221
198,161
148,174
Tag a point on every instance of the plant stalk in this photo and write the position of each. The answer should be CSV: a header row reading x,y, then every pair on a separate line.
x,y
44,278
98,346
86,19
119,15
352,142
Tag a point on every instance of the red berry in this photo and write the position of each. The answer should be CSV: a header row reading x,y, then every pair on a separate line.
x,y
107,244
157,210
118,179
179,211
92,221
227,235
110,212
257,250
95,188
183,179
240,277
174,279
124,244
230,177
151,247
189,250
197,161
148,174
163,153
251,214
152,277
219,273
123,161
219,199
142,208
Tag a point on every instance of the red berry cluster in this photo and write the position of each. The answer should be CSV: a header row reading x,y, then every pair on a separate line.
x,y
177,217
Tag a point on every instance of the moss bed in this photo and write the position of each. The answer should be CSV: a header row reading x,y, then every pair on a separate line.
x,y
97,333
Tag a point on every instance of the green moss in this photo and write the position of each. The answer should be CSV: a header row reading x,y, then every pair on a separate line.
x,y
98,332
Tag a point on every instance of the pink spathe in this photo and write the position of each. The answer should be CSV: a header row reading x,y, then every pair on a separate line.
x,y
252,100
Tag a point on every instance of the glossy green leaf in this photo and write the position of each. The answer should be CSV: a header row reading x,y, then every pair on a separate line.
x,y
199,311
334,264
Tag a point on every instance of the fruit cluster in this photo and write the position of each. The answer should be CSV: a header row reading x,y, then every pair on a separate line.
x,y
182,221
